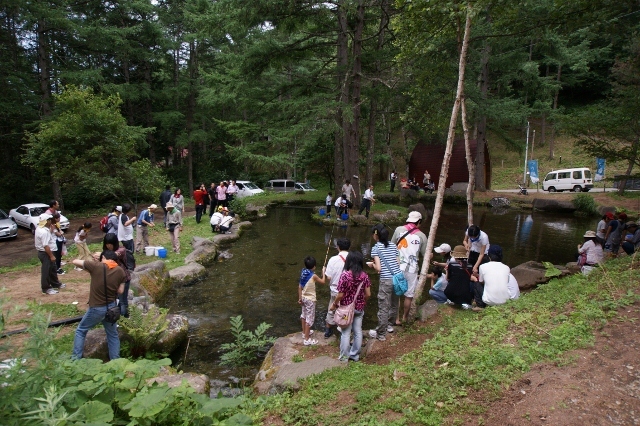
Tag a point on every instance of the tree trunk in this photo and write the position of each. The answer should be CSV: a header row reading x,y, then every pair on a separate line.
x,y
555,106
371,141
342,54
481,125
149,113
191,105
470,164
444,171
632,160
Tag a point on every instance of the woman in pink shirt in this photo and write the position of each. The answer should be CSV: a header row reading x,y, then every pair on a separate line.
x,y
221,194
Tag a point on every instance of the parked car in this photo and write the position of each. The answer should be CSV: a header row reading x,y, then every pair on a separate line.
x,y
247,188
27,216
8,227
301,186
576,180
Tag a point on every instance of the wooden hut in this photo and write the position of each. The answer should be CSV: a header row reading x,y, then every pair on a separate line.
x,y
429,156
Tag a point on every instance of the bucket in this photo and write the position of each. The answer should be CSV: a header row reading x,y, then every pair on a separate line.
x,y
150,251
162,253
344,216
157,250
322,212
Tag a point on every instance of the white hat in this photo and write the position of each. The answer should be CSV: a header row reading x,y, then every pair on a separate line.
x,y
119,208
153,207
443,248
44,217
414,217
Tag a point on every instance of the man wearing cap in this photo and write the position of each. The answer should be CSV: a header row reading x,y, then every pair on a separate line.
x,y
491,286
49,283
367,200
144,221
412,244
632,238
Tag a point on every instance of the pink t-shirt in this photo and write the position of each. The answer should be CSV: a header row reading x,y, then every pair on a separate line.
x,y
222,192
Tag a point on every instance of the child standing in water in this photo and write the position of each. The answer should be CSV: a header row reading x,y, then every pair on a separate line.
x,y
307,298
81,243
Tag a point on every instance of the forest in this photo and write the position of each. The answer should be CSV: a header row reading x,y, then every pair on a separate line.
x,y
112,99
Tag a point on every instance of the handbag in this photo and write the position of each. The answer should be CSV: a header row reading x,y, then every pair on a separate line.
x,y
343,316
400,284
113,314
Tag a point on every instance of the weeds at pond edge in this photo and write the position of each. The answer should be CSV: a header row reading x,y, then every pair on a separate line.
x,y
469,354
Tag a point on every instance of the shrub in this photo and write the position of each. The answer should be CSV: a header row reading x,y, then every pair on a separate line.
x,y
144,328
247,345
585,205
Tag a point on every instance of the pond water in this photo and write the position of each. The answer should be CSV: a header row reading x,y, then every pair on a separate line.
x,y
259,281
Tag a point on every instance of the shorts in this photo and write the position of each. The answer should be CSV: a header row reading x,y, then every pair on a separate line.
x,y
308,311
329,319
412,282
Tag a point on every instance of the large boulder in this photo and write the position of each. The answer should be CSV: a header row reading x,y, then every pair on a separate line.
x,y
200,242
288,376
530,274
427,309
418,207
409,193
187,273
199,382
152,279
554,205
499,202
204,254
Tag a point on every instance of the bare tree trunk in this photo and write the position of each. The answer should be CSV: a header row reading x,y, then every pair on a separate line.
x,y
151,139
470,164
555,106
342,54
371,131
405,150
444,171
191,105
481,125
632,160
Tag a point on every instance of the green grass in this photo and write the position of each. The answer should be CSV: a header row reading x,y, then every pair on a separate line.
x,y
469,354
22,266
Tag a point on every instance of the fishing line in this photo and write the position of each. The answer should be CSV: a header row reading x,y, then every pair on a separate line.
x,y
326,256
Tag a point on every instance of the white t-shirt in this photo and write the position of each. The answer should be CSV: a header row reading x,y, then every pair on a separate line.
x,y
52,242
216,218
328,200
601,229
338,202
368,194
514,289
495,276
483,240
410,247
125,232
77,238
347,190
335,266
42,238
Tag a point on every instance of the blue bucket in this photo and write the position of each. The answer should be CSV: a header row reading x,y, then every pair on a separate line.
x,y
322,212
162,253
344,216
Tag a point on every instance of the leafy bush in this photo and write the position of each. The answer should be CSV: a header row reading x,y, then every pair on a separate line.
x,y
585,205
247,345
144,328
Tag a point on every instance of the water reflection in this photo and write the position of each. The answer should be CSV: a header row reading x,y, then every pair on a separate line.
x,y
260,281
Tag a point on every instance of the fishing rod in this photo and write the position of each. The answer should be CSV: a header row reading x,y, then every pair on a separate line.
x,y
330,241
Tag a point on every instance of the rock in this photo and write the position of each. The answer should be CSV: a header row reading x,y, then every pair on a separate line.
x,y
359,219
530,274
573,267
499,202
199,382
187,273
288,375
255,211
152,279
95,344
204,254
141,301
427,309
225,255
409,193
554,205
174,336
225,238
459,186
199,241
419,207
223,389
602,210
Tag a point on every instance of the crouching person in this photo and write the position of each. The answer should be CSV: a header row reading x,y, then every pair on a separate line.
x,y
107,281
491,287
226,222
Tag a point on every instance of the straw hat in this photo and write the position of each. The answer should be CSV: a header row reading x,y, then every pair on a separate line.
x,y
589,234
168,206
459,252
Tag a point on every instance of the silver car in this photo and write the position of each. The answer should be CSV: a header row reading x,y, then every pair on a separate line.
x,y
27,216
8,227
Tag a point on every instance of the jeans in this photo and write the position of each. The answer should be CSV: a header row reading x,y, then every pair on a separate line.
x,y
348,350
438,296
124,300
200,209
90,319
628,247
387,305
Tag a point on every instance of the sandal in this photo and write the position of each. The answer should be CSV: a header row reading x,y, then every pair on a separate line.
x,y
310,333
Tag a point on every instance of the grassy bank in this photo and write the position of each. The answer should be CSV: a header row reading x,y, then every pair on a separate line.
x,y
469,357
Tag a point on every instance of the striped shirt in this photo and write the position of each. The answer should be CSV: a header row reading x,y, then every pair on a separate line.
x,y
390,255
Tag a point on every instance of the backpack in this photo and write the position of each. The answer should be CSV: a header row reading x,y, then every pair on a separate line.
x,y
104,223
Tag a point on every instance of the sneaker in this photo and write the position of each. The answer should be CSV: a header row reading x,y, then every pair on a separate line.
x,y
328,332
60,271
389,329
62,263
51,291
373,334
310,342
77,269
353,359
381,338
465,306
449,302
60,286
310,333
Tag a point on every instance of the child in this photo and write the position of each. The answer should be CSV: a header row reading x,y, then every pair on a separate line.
x,y
437,288
81,243
307,297
329,203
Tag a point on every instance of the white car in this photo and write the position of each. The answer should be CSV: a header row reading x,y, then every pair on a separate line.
x,y
247,188
27,216
8,228
302,186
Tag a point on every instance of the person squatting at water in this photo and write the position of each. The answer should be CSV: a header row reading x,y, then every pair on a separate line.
x,y
307,297
477,244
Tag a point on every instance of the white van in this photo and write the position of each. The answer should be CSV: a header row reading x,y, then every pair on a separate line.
x,y
280,185
247,188
576,180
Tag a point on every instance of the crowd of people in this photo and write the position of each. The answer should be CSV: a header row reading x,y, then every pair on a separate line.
x,y
427,184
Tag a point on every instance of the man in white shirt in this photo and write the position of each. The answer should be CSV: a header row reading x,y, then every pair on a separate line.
x,y
367,200
43,239
491,287
226,222
477,242
332,273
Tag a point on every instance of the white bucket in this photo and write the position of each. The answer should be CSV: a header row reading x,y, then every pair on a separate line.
x,y
156,251
150,251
